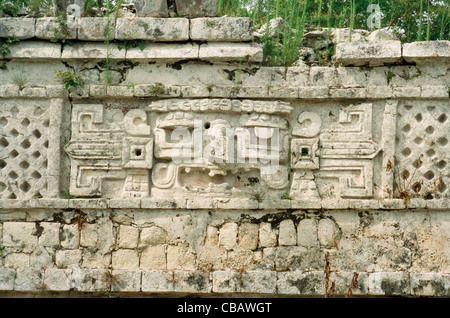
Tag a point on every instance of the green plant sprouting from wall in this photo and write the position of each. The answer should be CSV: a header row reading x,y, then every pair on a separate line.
x,y
409,20
69,79
5,44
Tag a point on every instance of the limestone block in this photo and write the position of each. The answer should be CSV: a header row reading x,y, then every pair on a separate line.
x,y
125,259
92,51
261,282
49,28
224,29
90,280
96,29
28,280
152,236
153,29
126,281
69,236
248,236
164,52
151,8
33,92
120,91
430,284
34,50
17,260
226,282
50,234
434,92
19,28
329,233
153,258
128,236
267,235
318,92
389,283
7,277
66,258
196,8
368,53
406,92
180,257
228,235
157,281
343,282
430,50
19,234
57,279
301,283
307,233
192,282
231,52
298,257
288,234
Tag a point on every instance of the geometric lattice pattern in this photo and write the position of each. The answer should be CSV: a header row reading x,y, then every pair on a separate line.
x,y
423,131
23,151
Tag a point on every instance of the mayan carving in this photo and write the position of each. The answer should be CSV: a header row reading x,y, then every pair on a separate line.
x,y
108,159
221,148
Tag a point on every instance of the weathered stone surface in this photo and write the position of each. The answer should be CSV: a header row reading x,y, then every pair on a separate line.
x,y
152,29
261,282
329,233
154,258
19,234
231,52
226,282
224,29
180,257
288,234
50,28
23,28
196,8
389,283
248,236
92,51
368,53
164,53
7,277
96,29
57,279
429,284
128,236
126,281
301,283
267,235
125,259
307,233
157,281
35,50
192,282
382,35
67,258
228,235
152,236
151,8
421,51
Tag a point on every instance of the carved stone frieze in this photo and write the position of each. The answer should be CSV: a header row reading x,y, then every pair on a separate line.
x,y
221,148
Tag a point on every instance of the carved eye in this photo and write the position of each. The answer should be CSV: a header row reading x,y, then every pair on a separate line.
x,y
138,152
207,125
304,152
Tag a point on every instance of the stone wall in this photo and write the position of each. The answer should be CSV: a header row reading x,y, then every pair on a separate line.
x,y
93,200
